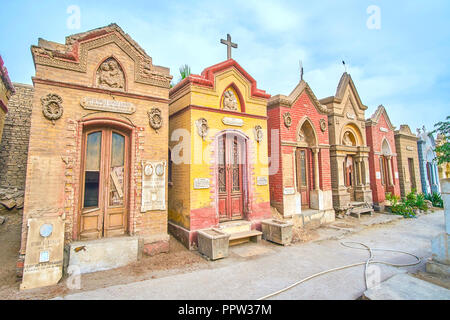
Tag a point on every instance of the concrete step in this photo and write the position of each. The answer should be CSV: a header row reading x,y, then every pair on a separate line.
x,y
406,287
235,226
245,236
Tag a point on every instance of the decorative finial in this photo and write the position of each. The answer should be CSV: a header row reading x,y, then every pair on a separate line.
x,y
345,66
229,45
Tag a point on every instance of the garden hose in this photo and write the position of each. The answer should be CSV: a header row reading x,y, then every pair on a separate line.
x,y
366,263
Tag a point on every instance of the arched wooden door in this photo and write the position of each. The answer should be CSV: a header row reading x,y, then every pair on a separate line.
x,y
303,175
349,176
104,183
230,172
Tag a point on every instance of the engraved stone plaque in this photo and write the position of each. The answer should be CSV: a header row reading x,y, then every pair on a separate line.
x,y
382,129
153,185
288,190
201,183
108,105
409,148
261,181
44,253
233,122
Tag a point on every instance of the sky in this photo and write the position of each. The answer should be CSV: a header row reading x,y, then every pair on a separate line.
x,y
397,52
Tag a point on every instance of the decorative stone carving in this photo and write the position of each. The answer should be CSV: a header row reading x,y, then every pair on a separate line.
x,y
287,120
150,76
230,101
351,116
110,75
52,107
155,118
346,140
202,127
259,134
323,125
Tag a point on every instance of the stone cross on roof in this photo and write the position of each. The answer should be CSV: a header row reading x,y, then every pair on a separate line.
x,y
229,45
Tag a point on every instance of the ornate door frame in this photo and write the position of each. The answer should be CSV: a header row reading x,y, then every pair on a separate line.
x,y
229,136
108,226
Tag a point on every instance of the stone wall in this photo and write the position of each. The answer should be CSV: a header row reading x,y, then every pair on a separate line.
x,y
14,143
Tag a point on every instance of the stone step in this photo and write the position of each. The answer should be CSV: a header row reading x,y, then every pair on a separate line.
x,y
245,236
235,226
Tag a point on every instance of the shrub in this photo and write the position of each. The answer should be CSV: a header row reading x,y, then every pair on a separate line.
x,y
435,199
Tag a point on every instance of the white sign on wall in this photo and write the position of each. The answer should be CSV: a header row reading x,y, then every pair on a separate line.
x,y
261,181
201,183
153,185
233,122
289,190
107,105
378,175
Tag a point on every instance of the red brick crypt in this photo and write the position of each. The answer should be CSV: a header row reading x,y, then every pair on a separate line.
x,y
302,183
383,170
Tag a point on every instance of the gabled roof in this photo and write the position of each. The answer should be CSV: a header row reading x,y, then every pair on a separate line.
x,y
282,100
373,120
345,81
73,54
206,79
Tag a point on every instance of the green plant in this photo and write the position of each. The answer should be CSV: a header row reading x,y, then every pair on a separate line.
x,y
443,150
403,209
393,199
185,71
435,199
420,202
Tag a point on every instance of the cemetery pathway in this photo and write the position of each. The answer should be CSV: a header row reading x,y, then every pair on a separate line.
x,y
255,270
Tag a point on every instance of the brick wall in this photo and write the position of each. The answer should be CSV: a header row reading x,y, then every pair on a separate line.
x,y
14,143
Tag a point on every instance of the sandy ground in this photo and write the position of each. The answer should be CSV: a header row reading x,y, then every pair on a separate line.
x,y
178,261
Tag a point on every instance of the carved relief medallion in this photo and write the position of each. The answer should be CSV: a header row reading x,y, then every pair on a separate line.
x,y
202,127
52,107
351,116
259,134
155,118
230,101
323,125
287,119
110,75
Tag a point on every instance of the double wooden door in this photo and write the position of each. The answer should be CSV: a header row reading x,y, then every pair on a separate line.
x,y
231,169
104,192
303,175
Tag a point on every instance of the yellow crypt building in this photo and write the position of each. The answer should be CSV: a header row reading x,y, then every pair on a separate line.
x,y
218,169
